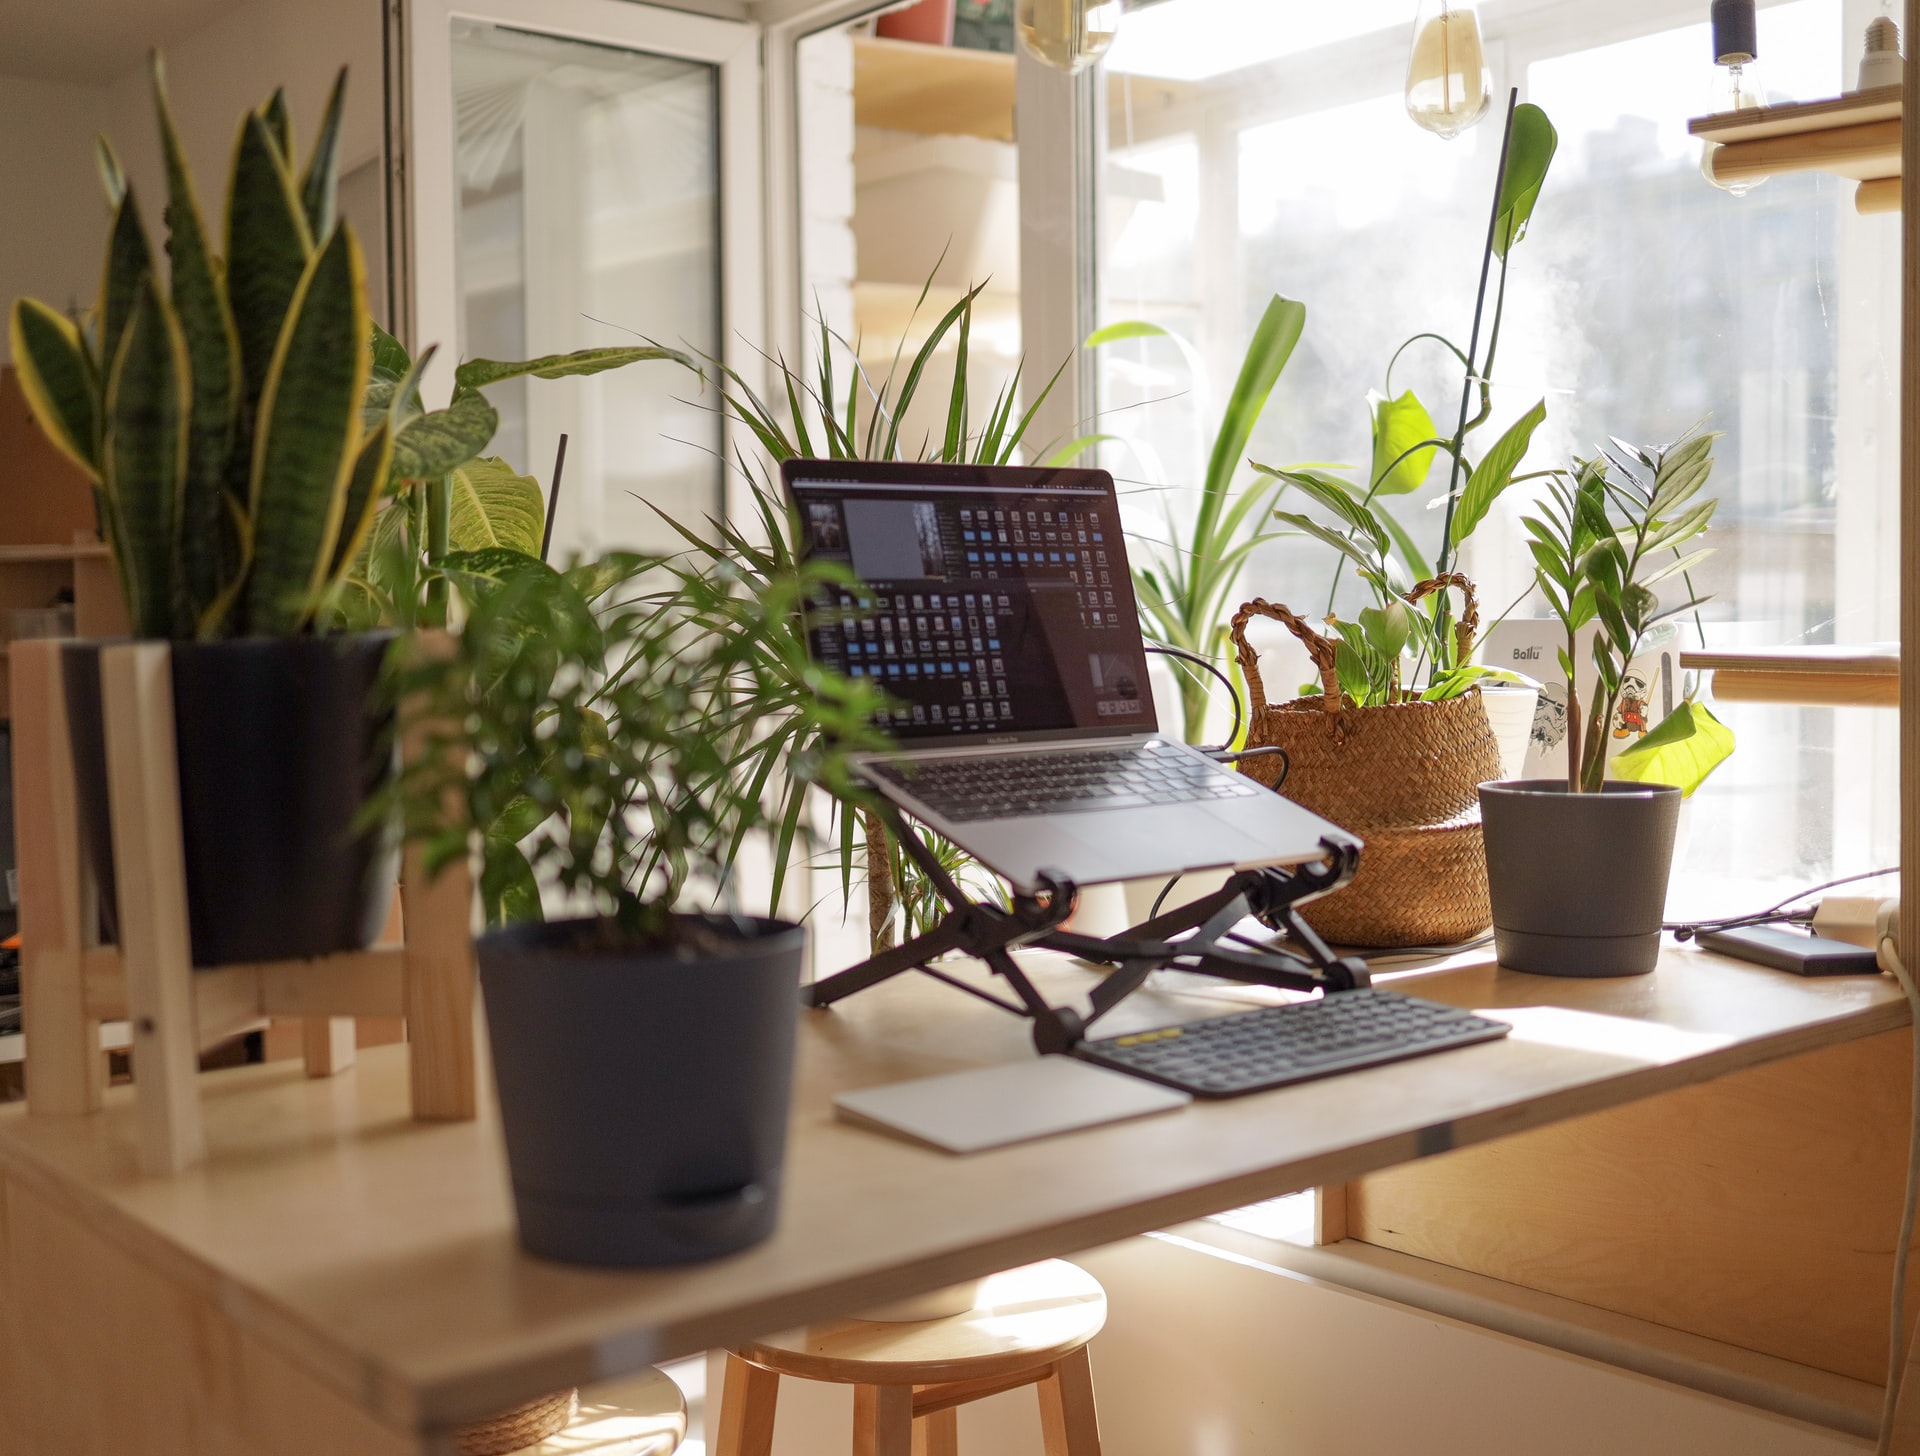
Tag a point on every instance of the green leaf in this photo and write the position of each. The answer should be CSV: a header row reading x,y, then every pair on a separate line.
x,y
306,442
1686,746
493,505
1336,495
366,487
129,260
1074,449
54,377
145,457
1127,329
320,184
278,121
477,373
1387,628
1494,473
1529,154
1398,426
113,177
1272,346
441,441
268,246
390,357
213,352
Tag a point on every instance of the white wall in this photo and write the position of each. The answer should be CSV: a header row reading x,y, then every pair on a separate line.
x,y
56,215
1206,1355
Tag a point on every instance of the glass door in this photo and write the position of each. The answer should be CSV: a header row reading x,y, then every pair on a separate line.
x,y
586,173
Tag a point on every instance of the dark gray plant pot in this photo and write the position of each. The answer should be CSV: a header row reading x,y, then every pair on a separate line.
x,y
1579,881
643,1094
279,741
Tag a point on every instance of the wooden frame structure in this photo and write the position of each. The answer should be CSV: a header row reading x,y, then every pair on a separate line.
x,y
71,983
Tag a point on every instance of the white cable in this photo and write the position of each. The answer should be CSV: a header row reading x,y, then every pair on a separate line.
x,y
1897,1337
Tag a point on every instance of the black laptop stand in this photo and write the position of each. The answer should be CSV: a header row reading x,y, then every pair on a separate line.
x,y
992,932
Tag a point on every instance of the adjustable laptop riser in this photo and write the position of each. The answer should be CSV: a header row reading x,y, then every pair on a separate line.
x,y
991,933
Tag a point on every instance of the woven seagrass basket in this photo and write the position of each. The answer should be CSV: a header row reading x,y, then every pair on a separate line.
x,y
1405,777
522,1426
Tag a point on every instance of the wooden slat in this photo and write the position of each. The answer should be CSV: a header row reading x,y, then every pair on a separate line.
x,y
1829,690
327,1044
1860,152
353,983
64,1068
932,90
1881,195
1882,103
156,941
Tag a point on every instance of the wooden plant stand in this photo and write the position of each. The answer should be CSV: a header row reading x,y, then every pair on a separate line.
x,y
71,984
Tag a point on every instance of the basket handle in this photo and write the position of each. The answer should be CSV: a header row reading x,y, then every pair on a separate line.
x,y
1468,626
1318,648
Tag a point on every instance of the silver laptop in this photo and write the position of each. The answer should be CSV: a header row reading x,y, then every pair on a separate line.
x,y
996,608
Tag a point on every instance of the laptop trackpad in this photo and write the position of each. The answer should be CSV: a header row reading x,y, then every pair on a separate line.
x,y
1158,841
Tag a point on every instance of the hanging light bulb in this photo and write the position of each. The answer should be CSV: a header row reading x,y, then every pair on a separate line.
x,y
1069,35
1449,87
1736,81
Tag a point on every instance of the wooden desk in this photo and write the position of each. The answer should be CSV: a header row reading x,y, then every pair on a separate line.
x,y
339,1278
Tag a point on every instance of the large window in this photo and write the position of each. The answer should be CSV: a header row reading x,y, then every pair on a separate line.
x,y
1644,301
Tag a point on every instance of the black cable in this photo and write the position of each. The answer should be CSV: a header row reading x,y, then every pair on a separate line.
x,y
1286,767
1161,898
1687,930
1198,661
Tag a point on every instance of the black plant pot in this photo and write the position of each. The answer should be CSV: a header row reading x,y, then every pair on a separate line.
x,y
643,1093
279,742
1579,881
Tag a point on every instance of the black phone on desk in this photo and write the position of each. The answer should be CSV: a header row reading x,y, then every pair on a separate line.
x,y
1792,950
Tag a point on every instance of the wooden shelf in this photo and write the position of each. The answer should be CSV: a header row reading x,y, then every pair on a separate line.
x,y
1838,677
1855,136
931,90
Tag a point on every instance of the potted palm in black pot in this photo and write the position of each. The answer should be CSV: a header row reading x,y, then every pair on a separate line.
x,y
1578,867
597,739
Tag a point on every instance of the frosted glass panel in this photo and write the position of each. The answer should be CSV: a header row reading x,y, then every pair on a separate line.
x,y
589,215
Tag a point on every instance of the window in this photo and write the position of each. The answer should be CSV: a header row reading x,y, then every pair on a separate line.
x,y
1273,156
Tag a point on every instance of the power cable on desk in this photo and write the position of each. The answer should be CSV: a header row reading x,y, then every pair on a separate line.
x,y
1773,914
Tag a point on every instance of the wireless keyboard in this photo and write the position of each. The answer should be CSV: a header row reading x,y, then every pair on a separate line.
x,y
1272,1046
1005,786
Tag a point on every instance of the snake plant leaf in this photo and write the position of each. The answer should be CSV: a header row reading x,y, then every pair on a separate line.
x,y
145,459
441,441
319,185
495,506
1683,748
478,373
366,488
1399,427
1529,154
279,124
306,441
213,351
268,248
53,376
1495,471
129,260
113,176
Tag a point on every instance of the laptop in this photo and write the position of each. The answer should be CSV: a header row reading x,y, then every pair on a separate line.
x,y
996,608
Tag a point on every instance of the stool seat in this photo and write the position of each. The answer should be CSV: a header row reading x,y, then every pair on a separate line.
x,y
1024,1318
1029,1326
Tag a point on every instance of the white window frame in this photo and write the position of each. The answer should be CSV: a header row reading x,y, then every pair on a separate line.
x,y
430,201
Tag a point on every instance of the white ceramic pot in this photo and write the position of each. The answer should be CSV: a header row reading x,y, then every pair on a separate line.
x,y
1510,712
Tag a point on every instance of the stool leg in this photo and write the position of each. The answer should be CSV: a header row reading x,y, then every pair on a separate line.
x,y
883,1420
747,1401
937,1434
1069,1424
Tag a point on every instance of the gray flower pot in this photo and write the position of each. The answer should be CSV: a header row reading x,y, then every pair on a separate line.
x,y
643,1093
1579,881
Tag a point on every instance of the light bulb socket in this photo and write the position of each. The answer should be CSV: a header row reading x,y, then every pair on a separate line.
x,y
1736,32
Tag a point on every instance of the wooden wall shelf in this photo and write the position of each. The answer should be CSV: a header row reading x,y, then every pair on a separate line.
x,y
1836,677
931,90
1855,136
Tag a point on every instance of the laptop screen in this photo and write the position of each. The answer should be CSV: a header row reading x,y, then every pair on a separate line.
x,y
994,600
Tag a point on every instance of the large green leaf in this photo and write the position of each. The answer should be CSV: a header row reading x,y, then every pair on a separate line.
x,y
390,357
1495,471
1399,425
441,441
320,183
268,246
129,260
53,376
366,487
477,373
1529,154
1267,354
495,506
1686,746
213,352
145,458
307,438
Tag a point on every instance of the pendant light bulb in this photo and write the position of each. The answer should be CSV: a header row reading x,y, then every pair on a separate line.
x,y
1736,79
1449,87
1068,35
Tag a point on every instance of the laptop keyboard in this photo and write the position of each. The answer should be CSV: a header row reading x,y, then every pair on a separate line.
x,y
1272,1046
1009,786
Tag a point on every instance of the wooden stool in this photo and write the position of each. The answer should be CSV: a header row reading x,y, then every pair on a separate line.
x,y
1030,1327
